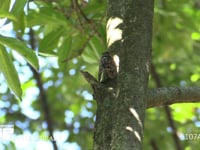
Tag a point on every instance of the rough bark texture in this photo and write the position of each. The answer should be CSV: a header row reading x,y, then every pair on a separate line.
x,y
135,56
170,95
121,103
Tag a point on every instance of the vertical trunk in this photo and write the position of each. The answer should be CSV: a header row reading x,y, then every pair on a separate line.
x,y
121,103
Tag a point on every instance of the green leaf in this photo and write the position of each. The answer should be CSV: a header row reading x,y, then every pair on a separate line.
x,y
97,46
88,56
45,16
20,24
4,14
4,6
64,51
50,41
18,7
21,48
18,11
4,11
9,72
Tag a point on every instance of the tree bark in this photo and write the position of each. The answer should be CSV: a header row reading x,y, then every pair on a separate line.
x,y
121,103
135,53
171,95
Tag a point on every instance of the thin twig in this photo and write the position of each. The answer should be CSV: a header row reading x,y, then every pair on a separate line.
x,y
79,51
79,10
154,144
167,110
90,79
43,96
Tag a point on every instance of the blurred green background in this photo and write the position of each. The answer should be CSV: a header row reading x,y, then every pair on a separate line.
x,y
69,36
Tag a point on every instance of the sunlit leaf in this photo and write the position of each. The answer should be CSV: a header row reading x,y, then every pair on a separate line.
x,y
18,6
183,112
194,77
195,36
5,5
9,72
7,15
21,48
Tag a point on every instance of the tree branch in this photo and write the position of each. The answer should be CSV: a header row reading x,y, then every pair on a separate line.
x,y
90,79
161,96
93,83
171,95
42,95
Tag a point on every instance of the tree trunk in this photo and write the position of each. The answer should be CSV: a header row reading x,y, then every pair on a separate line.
x,y
121,103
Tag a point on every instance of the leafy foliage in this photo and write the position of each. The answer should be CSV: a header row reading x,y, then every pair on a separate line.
x,y
69,36
8,69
